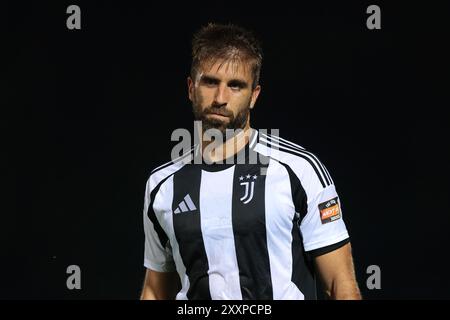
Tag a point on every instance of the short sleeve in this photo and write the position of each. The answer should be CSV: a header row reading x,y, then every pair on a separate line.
x,y
323,224
157,251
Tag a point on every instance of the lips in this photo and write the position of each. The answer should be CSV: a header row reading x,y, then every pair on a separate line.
x,y
219,113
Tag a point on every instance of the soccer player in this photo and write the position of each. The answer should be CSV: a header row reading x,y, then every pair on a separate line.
x,y
230,229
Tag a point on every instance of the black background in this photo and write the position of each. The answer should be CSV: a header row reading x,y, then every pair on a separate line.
x,y
88,113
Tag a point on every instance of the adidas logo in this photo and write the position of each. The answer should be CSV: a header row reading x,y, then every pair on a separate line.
x,y
186,205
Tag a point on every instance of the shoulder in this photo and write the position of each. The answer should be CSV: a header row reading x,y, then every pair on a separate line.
x,y
161,173
311,172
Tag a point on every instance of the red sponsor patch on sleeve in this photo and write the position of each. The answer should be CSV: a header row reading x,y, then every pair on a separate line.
x,y
329,210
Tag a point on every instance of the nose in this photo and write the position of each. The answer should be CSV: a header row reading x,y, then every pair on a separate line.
x,y
222,95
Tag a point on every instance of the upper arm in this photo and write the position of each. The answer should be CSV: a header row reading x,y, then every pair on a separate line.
x,y
160,285
325,236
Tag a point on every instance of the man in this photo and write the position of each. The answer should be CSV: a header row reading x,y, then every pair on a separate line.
x,y
223,229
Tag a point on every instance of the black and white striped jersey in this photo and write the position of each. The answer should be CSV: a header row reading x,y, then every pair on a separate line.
x,y
243,231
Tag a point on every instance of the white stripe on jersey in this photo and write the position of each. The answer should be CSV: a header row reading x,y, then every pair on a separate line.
x,y
254,138
217,231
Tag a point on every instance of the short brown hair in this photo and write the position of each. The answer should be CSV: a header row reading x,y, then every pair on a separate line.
x,y
229,42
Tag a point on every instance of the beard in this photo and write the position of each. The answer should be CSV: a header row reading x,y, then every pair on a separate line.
x,y
232,122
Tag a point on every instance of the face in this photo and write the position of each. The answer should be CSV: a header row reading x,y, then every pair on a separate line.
x,y
222,95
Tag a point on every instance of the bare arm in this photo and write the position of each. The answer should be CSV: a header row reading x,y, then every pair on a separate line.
x,y
338,275
160,285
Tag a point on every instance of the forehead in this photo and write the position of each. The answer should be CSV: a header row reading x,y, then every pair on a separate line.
x,y
226,69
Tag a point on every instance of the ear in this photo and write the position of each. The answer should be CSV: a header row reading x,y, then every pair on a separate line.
x,y
255,95
190,84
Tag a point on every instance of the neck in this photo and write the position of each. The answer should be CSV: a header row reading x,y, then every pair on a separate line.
x,y
223,150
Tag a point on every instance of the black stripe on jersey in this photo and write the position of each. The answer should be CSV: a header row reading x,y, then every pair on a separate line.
x,y
302,268
268,144
180,158
152,215
329,176
318,252
251,247
285,145
187,227
298,193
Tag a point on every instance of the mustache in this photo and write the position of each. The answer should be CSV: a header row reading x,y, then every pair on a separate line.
x,y
218,110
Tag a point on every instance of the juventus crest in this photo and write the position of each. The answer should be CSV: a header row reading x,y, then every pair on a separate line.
x,y
249,185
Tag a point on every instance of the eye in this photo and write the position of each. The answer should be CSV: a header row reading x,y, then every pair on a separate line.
x,y
209,82
236,85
